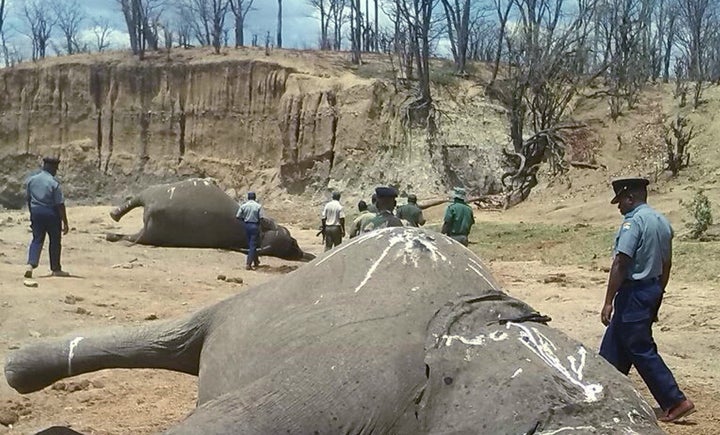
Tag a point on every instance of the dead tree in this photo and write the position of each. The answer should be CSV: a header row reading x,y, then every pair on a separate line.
x,y
208,20
503,8
69,16
542,80
457,14
140,18
41,21
696,27
102,31
323,8
677,141
3,18
279,24
240,9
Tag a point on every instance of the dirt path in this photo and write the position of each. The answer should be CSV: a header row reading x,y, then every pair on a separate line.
x,y
115,284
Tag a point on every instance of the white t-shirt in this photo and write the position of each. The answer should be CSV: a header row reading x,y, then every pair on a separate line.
x,y
332,213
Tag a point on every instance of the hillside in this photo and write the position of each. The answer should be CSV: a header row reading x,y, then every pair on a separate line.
x,y
289,123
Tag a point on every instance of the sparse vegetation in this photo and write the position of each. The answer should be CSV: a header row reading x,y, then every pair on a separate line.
x,y
700,212
677,141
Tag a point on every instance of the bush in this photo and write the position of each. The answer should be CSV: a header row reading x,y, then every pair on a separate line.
x,y
701,214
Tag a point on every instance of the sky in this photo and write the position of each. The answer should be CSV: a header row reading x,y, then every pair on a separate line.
x,y
300,27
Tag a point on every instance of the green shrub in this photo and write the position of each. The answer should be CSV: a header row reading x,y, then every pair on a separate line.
x,y
700,213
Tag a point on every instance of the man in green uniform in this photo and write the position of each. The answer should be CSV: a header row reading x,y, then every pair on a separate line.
x,y
458,218
384,217
411,212
362,220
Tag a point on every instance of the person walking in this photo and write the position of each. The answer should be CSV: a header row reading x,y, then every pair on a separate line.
x,y
411,212
251,213
362,220
47,216
459,218
639,274
333,222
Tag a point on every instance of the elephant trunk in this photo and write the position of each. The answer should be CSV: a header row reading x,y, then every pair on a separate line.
x,y
172,345
118,213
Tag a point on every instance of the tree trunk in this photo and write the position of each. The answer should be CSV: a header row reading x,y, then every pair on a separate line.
x,y
239,29
279,24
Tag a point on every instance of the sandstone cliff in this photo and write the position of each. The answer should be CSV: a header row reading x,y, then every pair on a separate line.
x,y
289,123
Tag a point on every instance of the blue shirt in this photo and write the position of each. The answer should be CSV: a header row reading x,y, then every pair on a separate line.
x,y
645,236
250,211
43,190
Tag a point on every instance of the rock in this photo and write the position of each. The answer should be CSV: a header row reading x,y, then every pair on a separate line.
x,y
234,280
81,310
152,316
73,386
8,417
221,277
13,346
59,386
30,283
72,299
98,384
34,334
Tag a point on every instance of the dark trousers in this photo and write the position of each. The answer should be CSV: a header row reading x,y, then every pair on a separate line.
x,y
630,343
45,220
333,236
252,232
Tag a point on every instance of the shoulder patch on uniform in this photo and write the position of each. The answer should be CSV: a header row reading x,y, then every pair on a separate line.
x,y
626,225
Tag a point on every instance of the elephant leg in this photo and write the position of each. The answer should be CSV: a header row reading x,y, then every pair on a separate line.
x,y
118,213
132,238
172,345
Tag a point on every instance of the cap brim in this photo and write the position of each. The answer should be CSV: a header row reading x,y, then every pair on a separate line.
x,y
616,199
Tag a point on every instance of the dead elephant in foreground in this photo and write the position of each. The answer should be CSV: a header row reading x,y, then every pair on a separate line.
x,y
401,331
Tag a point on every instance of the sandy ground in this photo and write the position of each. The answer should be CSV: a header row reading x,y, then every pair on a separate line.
x,y
115,284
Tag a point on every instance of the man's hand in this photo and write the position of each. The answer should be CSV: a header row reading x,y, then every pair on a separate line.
x,y
65,228
606,314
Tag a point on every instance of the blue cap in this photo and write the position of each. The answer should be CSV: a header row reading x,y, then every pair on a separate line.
x,y
385,192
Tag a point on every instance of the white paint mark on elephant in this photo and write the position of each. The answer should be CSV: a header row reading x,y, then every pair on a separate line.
x,y
355,241
206,182
545,349
171,190
479,340
566,429
372,268
71,352
517,372
616,420
498,336
195,182
318,301
632,414
414,289
481,274
576,367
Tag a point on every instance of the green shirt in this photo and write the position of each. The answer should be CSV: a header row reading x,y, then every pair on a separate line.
x,y
383,219
411,213
360,222
458,219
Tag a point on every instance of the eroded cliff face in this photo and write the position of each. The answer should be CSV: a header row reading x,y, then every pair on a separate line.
x,y
263,124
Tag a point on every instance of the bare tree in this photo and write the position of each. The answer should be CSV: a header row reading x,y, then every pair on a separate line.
x,y
102,31
696,26
503,8
240,9
3,18
208,18
41,21
323,8
337,17
542,80
141,18
457,14
279,24
355,31
69,17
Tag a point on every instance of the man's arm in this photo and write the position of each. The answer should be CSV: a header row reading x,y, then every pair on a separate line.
x,y
447,221
63,216
618,273
342,226
421,219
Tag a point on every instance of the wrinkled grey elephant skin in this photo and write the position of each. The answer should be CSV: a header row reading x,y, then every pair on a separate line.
x,y
400,331
196,213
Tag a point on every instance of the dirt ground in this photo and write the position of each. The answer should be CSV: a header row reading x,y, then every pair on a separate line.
x,y
114,284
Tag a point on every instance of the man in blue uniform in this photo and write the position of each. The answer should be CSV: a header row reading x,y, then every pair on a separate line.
x,y
250,213
47,216
639,274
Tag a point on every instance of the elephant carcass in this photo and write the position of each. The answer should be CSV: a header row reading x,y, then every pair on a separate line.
x,y
400,331
196,213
